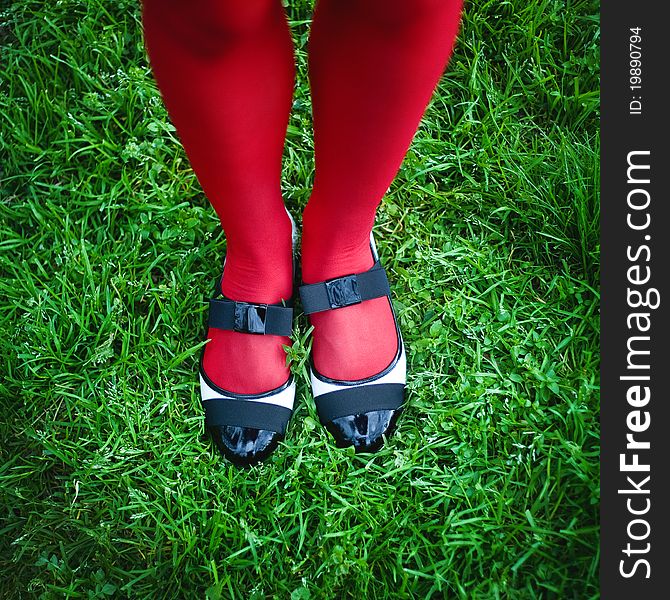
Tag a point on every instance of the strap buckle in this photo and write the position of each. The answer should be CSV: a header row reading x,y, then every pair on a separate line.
x,y
343,291
250,318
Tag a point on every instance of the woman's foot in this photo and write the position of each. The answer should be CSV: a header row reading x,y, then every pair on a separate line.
x,y
246,427
245,382
358,360
353,342
246,416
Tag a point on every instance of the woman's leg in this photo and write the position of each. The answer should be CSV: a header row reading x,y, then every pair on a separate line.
x,y
225,69
373,67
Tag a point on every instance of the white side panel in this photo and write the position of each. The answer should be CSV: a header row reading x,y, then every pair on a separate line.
x,y
284,398
398,374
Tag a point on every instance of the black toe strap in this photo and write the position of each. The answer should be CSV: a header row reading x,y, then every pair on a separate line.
x,y
262,319
220,412
359,399
345,291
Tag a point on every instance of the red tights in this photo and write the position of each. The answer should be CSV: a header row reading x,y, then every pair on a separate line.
x,y
225,69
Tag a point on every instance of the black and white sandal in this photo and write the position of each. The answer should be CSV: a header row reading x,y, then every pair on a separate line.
x,y
246,428
361,412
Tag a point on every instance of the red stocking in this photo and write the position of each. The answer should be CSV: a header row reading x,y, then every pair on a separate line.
x,y
373,67
225,69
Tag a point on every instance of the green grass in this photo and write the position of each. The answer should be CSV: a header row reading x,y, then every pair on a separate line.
x,y
109,248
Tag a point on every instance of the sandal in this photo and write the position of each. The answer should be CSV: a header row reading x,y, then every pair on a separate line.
x,y
357,413
247,428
